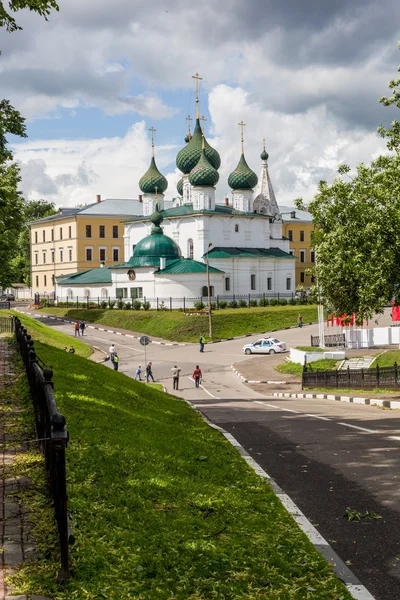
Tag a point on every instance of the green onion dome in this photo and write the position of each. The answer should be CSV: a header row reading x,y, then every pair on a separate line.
x,y
153,179
264,155
189,156
242,178
148,251
179,187
203,174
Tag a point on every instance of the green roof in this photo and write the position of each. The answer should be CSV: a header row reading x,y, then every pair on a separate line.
x,y
189,156
186,265
99,275
242,178
187,209
229,252
179,187
153,179
203,174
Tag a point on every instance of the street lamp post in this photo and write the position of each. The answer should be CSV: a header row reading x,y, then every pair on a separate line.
x,y
210,331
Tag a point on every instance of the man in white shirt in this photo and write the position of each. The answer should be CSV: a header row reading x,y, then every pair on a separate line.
x,y
175,376
111,352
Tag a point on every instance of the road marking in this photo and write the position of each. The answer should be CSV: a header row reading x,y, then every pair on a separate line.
x,y
204,389
92,337
394,437
317,417
357,427
278,407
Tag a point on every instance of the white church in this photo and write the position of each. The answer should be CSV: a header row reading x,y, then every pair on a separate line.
x,y
166,251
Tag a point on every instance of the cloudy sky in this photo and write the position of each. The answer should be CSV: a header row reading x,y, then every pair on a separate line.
x,y
306,75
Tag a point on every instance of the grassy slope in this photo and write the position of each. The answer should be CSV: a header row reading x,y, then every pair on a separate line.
x,y
163,507
297,369
178,327
387,359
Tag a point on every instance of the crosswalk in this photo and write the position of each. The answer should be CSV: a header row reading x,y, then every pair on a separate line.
x,y
361,362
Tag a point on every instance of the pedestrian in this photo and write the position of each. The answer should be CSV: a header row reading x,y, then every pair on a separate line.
x,y
72,350
300,321
197,375
76,326
139,373
65,348
111,352
175,377
149,372
83,327
202,341
115,361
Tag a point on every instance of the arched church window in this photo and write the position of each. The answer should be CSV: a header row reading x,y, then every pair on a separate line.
x,y
86,293
104,294
204,291
190,248
70,294
236,228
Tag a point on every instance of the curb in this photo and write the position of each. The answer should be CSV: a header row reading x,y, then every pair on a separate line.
x,y
352,583
394,404
253,380
240,337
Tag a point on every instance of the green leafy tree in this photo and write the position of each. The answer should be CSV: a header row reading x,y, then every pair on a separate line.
x,y
11,219
7,20
357,225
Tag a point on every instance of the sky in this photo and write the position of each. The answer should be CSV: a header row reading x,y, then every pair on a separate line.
x,y
306,76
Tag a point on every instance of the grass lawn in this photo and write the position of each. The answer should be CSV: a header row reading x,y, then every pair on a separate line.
x,y
311,349
297,369
355,392
176,326
162,506
387,359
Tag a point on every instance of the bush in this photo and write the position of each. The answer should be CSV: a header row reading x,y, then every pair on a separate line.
x,y
213,306
120,304
233,304
253,303
146,305
199,305
137,305
263,302
162,306
222,304
112,303
292,301
127,306
242,303
282,302
273,302
103,304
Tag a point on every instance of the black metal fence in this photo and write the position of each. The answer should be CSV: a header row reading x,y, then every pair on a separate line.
x,y
52,438
5,304
6,325
361,379
331,341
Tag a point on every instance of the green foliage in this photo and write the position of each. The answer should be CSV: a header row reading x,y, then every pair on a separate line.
x,y
263,302
120,304
242,303
10,122
146,306
111,303
222,304
355,515
387,359
104,304
42,7
127,306
282,302
273,302
137,305
297,369
253,302
199,305
292,301
11,218
233,304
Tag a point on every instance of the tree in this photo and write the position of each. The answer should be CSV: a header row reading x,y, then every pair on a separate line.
x,y
357,230
42,7
11,219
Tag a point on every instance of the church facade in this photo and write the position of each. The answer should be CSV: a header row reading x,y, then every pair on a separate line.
x,y
167,251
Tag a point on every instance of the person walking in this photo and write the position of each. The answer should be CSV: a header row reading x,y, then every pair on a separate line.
x,y
197,375
300,321
149,372
111,352
138,374
115,361
76,327
82,327
202,341
175,377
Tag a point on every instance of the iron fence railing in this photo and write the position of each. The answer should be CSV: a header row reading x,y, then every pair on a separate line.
x,y
6,325
362,379
5,304
331,341
52,438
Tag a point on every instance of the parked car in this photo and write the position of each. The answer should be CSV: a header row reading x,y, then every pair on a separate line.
x,y
265,346
7,297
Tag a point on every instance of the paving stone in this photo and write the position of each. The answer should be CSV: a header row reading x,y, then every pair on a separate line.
x,y
19,597
12,553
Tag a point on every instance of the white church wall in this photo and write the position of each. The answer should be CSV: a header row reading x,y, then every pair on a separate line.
x,y
239,272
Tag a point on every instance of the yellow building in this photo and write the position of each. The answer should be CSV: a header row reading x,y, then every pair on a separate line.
x,y
78,239
297,227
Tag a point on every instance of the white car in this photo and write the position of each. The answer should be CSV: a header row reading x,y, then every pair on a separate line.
x,y
265,346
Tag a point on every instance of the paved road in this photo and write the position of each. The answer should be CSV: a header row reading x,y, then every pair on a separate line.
x,y
326,455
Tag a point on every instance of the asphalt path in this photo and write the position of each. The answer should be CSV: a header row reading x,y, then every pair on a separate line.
x,y
327,456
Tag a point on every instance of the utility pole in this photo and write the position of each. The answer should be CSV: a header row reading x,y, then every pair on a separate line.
x,y
210,330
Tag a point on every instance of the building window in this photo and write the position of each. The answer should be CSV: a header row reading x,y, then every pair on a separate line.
x,y
204,291
52,256
288,284
227,284
45,280
61,255
44,257
302,255
88,231
312,279
70,232
302,236
89,254
53,279
290,235
52,235
190,248
136,293
115,231
312,256
121,293
70,254
302,278
104,294
291,252
102,255
70,294
60,233
236,228
252,282
102,231
44,235
37,280
269,283
36,237
86,293
115,254
36,258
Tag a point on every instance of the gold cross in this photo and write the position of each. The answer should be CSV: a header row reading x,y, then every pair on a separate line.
x,y
152,139
204,120
188,119
197,78
264,140
242,125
